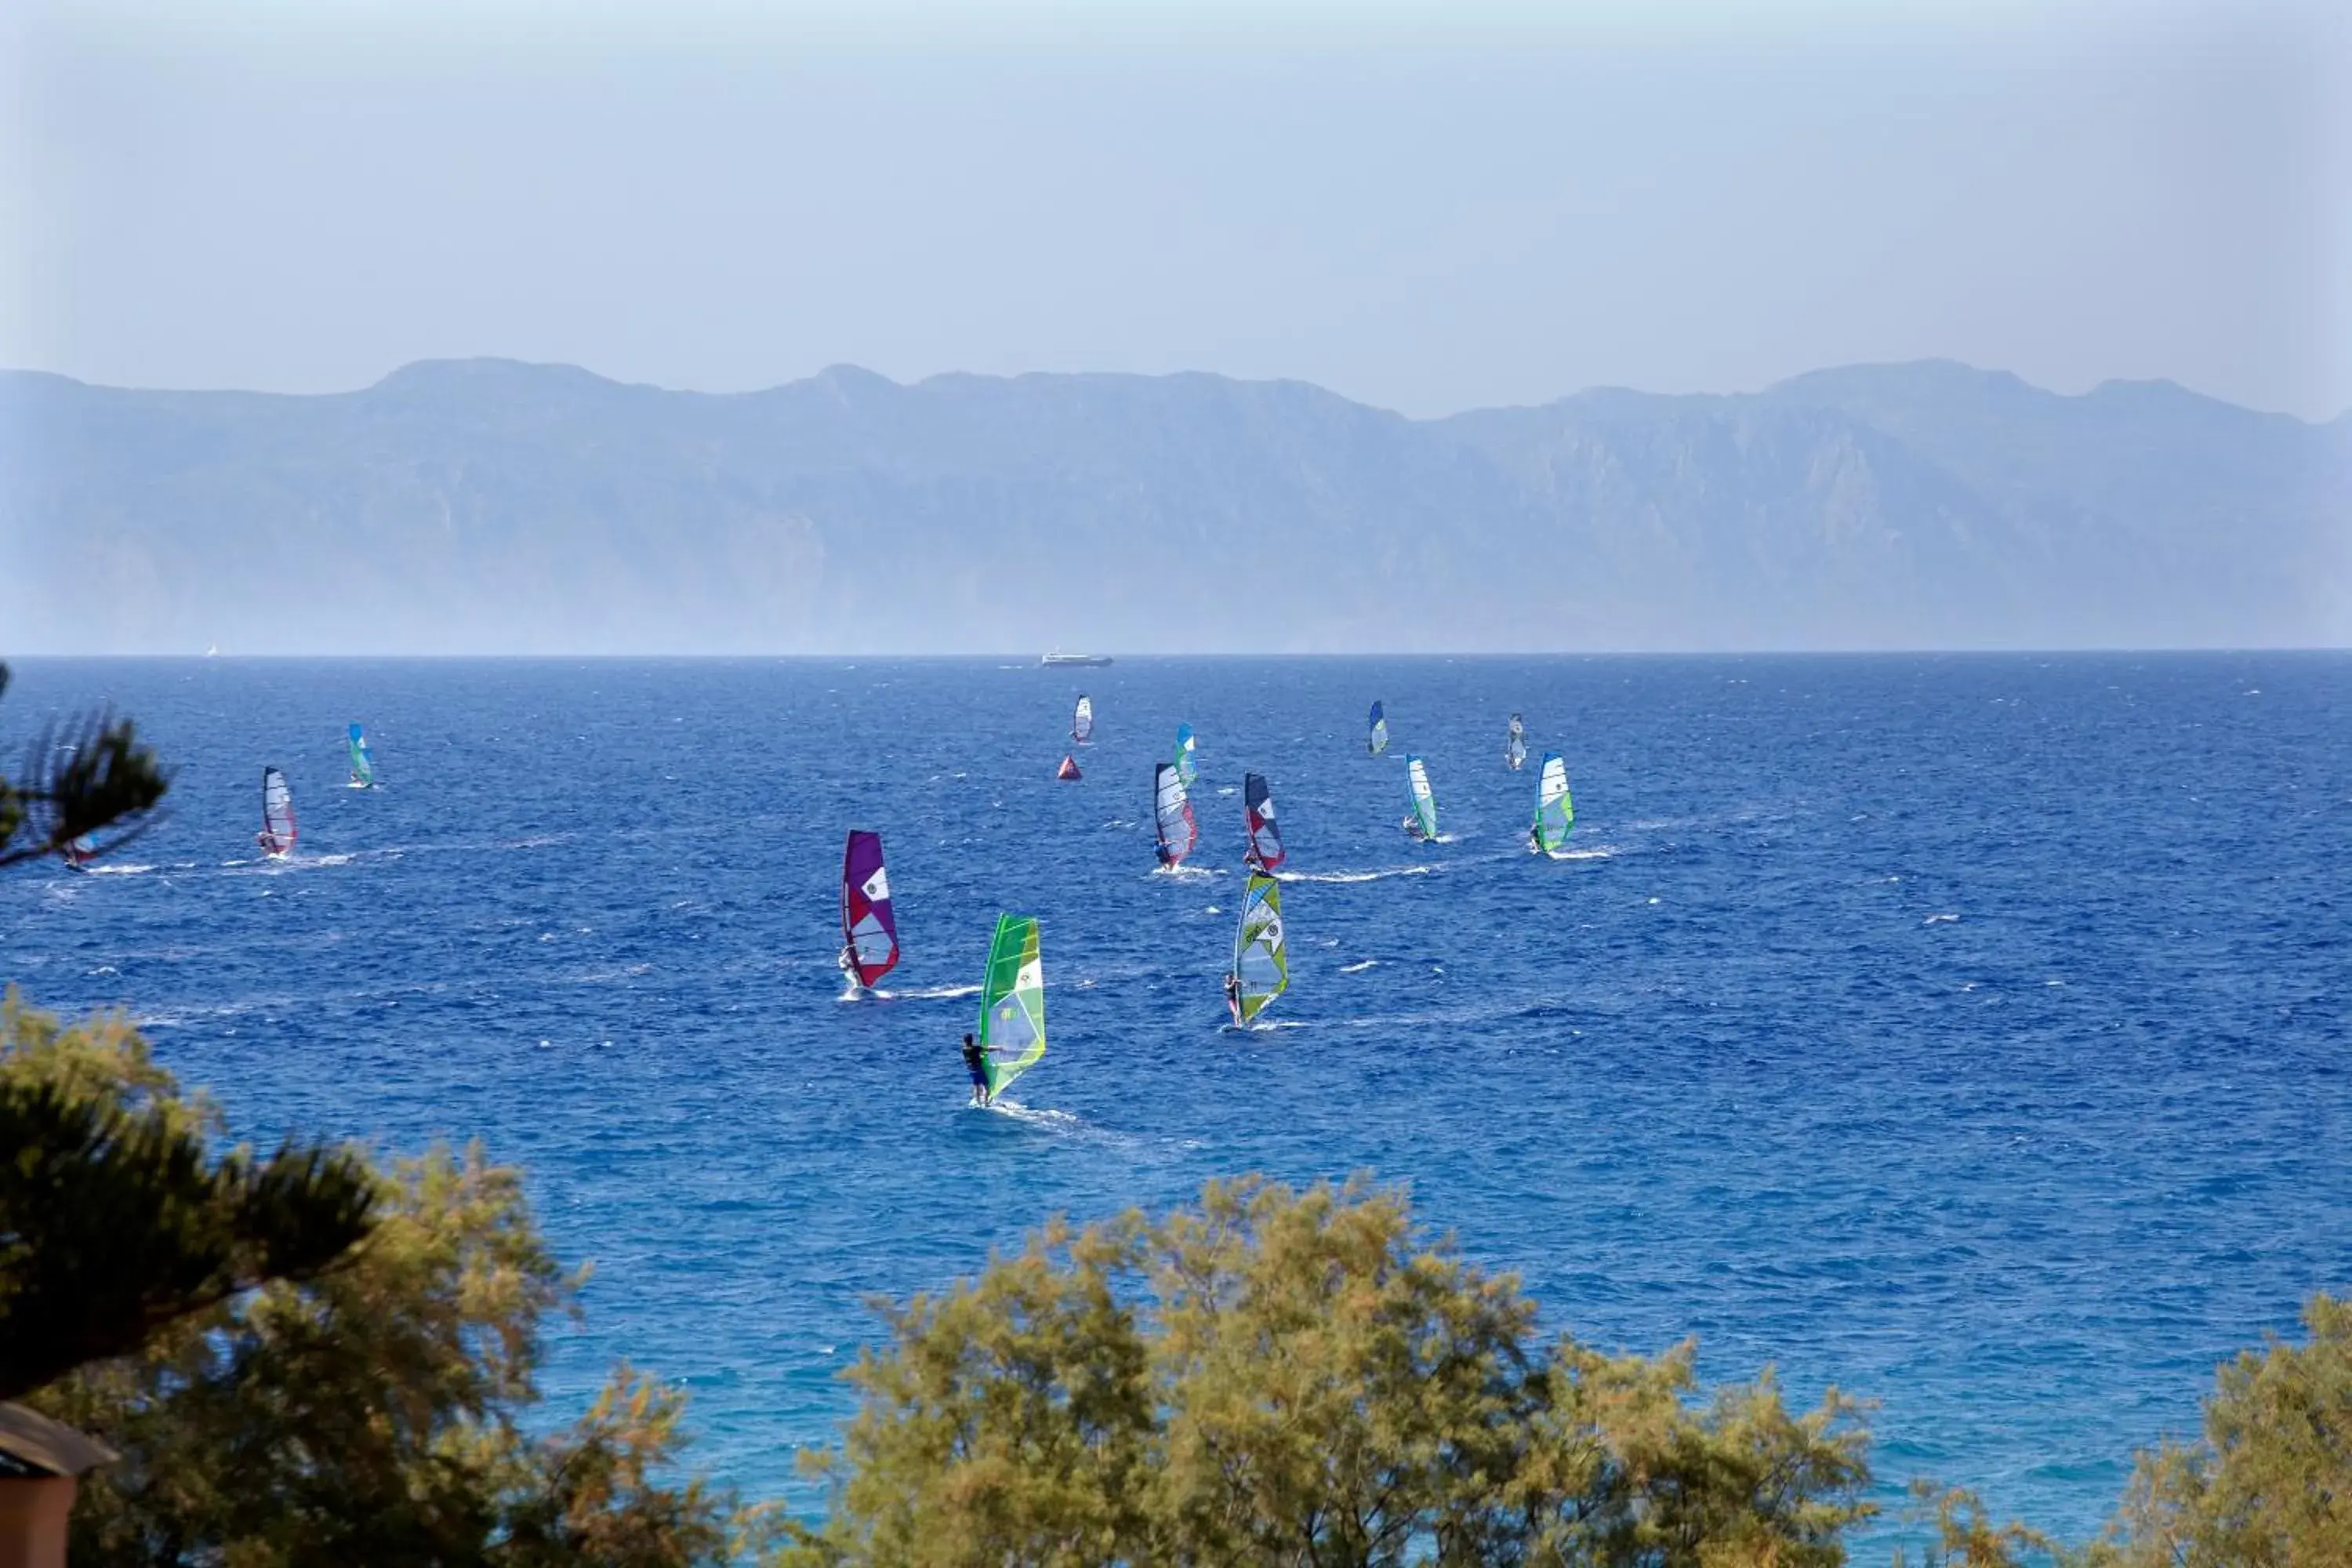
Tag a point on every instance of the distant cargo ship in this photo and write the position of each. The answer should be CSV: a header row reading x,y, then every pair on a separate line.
x,y
1061,659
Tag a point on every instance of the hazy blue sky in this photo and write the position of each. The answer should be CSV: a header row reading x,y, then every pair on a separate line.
x,y
1428,209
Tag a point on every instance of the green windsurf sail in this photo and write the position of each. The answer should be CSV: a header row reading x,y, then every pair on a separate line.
x,y
1423,822
1261,959
1013,1002
1555,812
363,764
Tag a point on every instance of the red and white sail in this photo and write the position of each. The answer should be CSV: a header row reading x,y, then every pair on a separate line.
x,y
869,934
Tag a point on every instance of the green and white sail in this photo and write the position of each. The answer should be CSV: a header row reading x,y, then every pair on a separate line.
x,y
1261,959
1013,1002
1424,800
1555,812
363,764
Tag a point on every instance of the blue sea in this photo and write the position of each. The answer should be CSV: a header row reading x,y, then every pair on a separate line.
x,y
1969,1032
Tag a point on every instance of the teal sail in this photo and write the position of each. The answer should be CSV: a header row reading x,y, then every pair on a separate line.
x,y
1555,812
1261,957
1187,768
1423,822
363,764
1013,1002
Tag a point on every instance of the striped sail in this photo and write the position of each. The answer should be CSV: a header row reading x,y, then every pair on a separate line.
x,y
1261,959
1171,815
1013,1002
278,831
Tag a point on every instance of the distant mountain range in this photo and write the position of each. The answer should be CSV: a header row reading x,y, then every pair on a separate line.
x,y
488,505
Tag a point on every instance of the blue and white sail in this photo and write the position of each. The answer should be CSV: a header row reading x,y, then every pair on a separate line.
x,y
1423,822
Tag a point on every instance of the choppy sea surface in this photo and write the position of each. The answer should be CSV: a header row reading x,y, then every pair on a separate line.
x,y
1970,1032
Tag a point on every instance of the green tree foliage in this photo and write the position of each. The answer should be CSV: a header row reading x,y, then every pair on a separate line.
x,y
1304,1378
116,1218
369,1412
1966,1536
2269,1484
79,779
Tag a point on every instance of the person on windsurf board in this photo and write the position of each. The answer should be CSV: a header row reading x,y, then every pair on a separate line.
x,y
975,1062
1012,1036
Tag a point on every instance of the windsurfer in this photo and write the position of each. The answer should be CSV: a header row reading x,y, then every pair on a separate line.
x,y
975,1062
1233,995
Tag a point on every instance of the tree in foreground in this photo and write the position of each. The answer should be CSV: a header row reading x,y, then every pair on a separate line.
x,y
88,780
117,1220
2269,1484
369,1410
1303,1377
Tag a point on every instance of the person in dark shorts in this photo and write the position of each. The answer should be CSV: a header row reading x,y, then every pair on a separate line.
x,y
975,1062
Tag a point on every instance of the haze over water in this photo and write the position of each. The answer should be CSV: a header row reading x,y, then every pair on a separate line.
x,y
1967,1031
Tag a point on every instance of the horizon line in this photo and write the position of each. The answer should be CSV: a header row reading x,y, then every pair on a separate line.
x,y
1032,661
